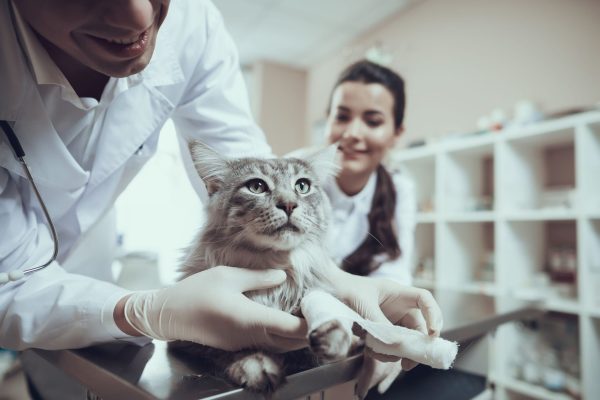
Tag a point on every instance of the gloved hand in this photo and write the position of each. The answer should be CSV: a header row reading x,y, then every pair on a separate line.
x,y
210,308
386,301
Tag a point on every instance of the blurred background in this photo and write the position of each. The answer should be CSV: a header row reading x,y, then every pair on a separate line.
x,y
498,138
501,138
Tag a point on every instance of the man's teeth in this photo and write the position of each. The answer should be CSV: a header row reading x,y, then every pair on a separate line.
x,y
123,41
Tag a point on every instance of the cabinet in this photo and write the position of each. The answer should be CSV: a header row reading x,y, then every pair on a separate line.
x,y
517,213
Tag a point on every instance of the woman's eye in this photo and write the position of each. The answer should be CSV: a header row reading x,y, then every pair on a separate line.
x,y
257,186
342,118
374,123
302,186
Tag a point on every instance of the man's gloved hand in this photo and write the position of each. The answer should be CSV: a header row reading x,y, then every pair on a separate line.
x,y
386,301
210,308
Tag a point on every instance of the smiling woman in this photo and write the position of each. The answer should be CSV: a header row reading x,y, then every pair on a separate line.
x,y
365,118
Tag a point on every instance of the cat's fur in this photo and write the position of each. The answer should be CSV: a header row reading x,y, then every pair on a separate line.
x,y
280,228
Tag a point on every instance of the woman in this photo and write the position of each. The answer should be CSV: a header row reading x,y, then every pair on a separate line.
x,y
373,218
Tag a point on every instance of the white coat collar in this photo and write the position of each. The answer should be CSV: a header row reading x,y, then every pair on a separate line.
x,y
361,202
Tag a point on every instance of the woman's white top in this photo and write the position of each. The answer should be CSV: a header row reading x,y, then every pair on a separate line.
x,y
82,153
350,225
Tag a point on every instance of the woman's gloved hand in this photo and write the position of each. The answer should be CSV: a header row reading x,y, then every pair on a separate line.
x,y
210,308
384,300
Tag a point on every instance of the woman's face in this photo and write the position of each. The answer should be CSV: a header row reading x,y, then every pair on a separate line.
x,y
115,38
361,120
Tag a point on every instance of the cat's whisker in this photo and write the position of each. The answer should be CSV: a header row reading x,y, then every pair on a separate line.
x,y
377,240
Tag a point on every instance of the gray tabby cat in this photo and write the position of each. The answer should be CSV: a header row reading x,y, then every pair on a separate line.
x,y
267,213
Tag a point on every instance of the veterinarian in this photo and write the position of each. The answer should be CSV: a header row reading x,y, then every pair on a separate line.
x,y
86,86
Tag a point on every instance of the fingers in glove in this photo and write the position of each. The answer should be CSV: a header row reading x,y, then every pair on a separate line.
x,y
410,297
414,320
394,370
381,357
366,377
373,372
245,280
273,321
280,344
407,364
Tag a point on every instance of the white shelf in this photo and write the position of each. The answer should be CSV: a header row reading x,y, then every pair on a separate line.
x,y
471,216
476,287
426,217
424,283
504,207
541,215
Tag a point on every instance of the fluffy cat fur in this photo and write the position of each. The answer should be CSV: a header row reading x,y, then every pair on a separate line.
x,y
283,228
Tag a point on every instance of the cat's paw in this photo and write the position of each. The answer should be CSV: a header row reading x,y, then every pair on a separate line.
x,y
330,341
258,372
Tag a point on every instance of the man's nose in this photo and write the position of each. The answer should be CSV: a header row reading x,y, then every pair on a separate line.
x,y
287,206
133,16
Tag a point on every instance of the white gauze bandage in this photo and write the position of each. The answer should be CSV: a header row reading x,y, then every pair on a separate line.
x,y
319,307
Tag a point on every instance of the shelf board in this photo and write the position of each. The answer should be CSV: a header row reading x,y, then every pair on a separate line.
x,y
475,143
541,215
594,312
470,216
531,390
593,215
424,283
413,154
563,305
425,217
487,288
551,303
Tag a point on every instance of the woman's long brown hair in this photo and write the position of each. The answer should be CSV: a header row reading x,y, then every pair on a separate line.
x,y
381,239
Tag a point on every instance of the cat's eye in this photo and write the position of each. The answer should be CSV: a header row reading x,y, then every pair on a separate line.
x,y
302,186
257,186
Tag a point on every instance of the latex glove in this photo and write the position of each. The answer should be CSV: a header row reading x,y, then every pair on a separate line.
x,y
386,301
210,308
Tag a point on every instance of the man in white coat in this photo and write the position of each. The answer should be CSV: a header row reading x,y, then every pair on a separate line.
x,y
86,87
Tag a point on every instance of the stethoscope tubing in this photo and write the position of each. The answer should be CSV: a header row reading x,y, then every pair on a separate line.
x,y
20,155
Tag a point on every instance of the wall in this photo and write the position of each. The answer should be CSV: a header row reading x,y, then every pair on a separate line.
x,y
278,97
463,58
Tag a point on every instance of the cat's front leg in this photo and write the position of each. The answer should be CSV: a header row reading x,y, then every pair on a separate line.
x,y
330,337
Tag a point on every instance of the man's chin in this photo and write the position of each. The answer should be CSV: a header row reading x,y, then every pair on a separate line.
x,y
125,68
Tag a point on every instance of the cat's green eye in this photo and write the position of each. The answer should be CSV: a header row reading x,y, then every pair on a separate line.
x,y
302,186
257,186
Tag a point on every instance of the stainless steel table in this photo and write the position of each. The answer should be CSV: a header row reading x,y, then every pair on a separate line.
x,y
125,371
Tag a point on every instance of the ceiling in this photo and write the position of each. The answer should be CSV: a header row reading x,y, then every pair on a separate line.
x,y
300,33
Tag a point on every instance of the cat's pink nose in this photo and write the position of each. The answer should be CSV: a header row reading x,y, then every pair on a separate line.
x,y
288,207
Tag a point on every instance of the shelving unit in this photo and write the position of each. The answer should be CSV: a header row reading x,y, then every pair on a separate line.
x,y
517,214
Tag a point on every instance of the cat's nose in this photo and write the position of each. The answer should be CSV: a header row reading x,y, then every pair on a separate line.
x,y
287,206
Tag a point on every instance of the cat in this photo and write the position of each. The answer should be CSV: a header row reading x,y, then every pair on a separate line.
x,y
267,213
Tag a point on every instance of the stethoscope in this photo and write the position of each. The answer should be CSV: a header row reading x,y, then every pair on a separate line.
x,y
6,277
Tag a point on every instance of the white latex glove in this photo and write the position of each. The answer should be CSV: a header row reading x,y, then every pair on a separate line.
x,y
210,308
386,301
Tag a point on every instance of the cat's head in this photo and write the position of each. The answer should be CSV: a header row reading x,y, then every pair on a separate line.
x,y
275,203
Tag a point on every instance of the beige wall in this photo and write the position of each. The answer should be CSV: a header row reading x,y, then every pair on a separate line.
x,y
279,103
463,58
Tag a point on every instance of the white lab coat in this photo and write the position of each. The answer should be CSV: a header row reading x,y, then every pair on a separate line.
x,y
192,78
349,225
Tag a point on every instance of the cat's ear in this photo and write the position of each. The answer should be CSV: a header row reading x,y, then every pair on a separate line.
x,y
211,166
324,160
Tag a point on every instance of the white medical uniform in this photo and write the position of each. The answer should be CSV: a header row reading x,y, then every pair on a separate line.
x,y
82,153
349,226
